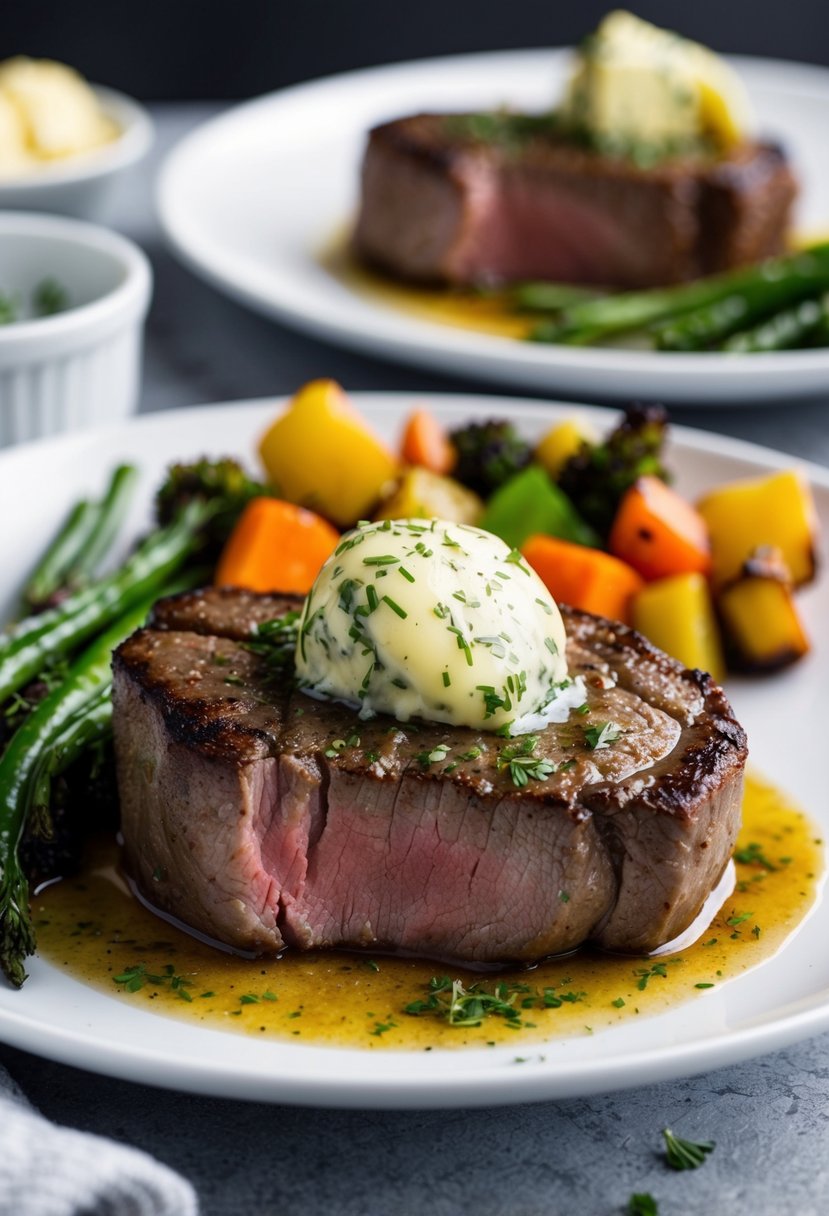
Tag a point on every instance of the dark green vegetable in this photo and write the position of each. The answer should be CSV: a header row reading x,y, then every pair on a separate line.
x,y
549,297
758,290
67,715
223,484
112,511
596,478
774,286
83,542
48,575
531,503
642,1204
29,647
786,330
488,455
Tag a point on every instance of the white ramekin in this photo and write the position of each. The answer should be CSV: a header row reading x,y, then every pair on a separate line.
x,y
81,367
79,185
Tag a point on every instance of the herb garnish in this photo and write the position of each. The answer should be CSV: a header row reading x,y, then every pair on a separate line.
x,y
450,1001
642,1204
275,641
137,977
752,855
601,735
522,764
685,1154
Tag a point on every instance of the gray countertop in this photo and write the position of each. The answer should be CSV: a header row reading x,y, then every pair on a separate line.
x,y
769,1117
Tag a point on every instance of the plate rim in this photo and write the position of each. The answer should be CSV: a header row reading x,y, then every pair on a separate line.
x,y
414,339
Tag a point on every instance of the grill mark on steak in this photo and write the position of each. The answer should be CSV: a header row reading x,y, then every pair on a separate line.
x,y
440,207
226,788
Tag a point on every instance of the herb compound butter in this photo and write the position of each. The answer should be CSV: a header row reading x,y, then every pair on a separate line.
x,y
438,621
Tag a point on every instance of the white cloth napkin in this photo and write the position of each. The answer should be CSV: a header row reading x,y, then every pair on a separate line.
x,y
54,1171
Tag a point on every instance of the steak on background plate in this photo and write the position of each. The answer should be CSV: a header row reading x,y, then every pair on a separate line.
x,y
441,206
264,818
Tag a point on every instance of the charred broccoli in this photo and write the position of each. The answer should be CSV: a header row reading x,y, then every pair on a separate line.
x,y
223,482
489,454
597,476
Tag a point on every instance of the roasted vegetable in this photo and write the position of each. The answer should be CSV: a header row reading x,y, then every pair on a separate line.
x,y
488,454
531,503
426,443
677,615
714,307
321,454
82,543
777,509
761,624
659,533
419,494
584,578
596,478
561,442
223,484
275,546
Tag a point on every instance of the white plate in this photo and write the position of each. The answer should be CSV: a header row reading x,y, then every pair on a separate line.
x,y
784,999
251,199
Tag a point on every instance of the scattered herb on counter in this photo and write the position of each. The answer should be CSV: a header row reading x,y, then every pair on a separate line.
x,y
685,1154
642,1204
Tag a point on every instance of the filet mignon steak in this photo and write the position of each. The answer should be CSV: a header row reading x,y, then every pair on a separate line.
x,y
441,206
264,818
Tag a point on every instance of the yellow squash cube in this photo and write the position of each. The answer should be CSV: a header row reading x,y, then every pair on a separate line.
x,y
321,454
774,510
677,615
762,626
560,443
421,494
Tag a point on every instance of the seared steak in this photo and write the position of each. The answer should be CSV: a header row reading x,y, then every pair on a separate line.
x,y
439,205
264,818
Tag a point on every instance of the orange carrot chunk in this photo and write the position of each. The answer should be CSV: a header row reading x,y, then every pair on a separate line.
x,y
584,578
275,546
426,444
658,533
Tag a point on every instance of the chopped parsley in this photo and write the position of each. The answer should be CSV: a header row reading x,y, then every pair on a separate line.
x,y
602,734
522,764
752,855
685,1154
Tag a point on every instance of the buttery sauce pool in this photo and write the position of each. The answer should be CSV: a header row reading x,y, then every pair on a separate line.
x,y
94,928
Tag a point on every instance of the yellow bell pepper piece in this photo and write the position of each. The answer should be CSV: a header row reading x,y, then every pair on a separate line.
x,y
321,454
422,494
677,615
560,443
760,617
775,510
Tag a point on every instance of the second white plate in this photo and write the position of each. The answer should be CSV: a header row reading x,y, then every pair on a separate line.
x,y
251,200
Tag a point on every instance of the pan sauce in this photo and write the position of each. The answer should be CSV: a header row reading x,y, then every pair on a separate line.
x,y
94,928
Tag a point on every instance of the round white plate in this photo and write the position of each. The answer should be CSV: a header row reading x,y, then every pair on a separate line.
x,y
250,200
784,999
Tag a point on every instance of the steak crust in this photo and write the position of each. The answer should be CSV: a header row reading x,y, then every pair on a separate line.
x,y
264,818
441,207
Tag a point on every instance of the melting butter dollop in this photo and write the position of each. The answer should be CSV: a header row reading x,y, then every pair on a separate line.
x,y
439,621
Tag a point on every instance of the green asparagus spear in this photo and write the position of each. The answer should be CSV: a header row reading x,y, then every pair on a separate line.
x,y
28,647
786,330
21,774
767,287
549,297
48,575
111,513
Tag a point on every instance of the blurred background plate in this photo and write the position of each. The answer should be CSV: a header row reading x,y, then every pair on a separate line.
x,y
253,200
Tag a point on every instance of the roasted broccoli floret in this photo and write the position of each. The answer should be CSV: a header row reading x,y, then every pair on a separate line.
x,y
489,454
597,476
223,482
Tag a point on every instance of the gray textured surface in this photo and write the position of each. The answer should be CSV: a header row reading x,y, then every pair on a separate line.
x,y
769,1118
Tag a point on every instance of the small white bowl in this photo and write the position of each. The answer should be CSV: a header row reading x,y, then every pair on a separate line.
x,y
79,185
80,367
